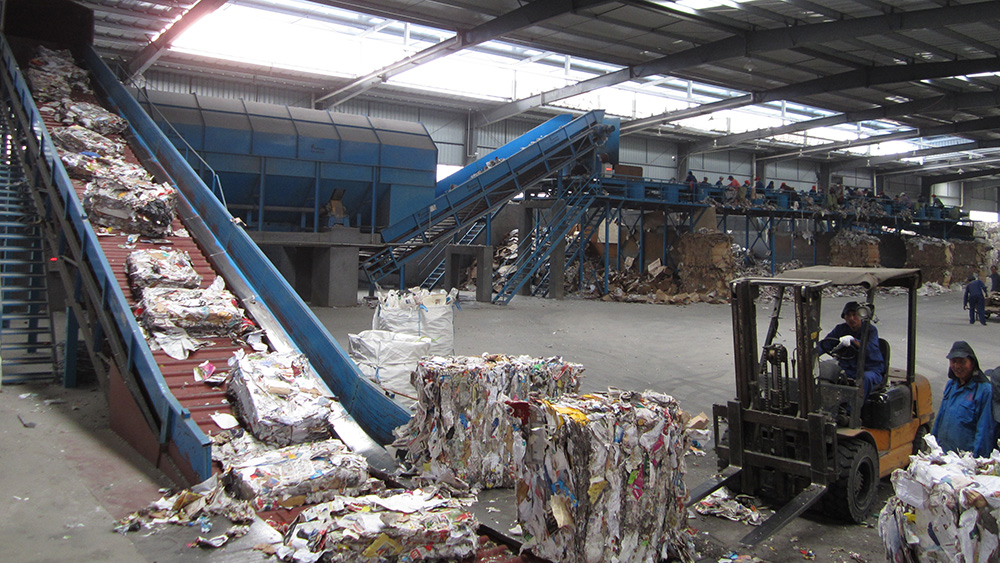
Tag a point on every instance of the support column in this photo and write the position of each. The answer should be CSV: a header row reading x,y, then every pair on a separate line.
x,y
335,276
557,271
483,255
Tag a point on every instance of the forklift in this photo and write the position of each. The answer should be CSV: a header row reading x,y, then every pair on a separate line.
x,y
799,432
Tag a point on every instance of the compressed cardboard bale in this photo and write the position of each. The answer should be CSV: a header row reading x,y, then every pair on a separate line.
x,y
278,397
80,139
460,430
299,474
87,166
945,509
132,206
393,526
208,312
854,249
705,261
602,478
933,256
95,118
160,268
969,258
47,86
60,62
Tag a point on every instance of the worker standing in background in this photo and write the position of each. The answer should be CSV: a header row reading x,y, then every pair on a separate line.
x,y
965,418
994,279
975,299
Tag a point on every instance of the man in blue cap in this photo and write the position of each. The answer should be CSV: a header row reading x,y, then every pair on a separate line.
x,y
965,418
975,299
848,334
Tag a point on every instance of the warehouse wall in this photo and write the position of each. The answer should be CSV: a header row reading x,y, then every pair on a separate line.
x,y
657,156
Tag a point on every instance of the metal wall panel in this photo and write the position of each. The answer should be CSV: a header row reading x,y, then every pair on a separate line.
x,y
451,154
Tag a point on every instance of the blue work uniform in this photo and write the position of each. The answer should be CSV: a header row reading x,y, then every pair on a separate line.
x,y
975,300
965,418
874,362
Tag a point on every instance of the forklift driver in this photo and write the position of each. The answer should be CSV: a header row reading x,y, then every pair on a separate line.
x,y
844,341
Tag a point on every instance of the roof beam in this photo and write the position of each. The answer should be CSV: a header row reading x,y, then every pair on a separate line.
x,y
745,44
860,78
148,55
959,164
526,15
942,178
873,161
948,102
973,125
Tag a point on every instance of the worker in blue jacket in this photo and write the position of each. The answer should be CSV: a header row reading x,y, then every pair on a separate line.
x,y
975,299
848,334
965,418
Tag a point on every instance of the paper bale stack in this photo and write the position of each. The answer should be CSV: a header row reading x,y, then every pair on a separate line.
x,y
945,509
602,478
854,249
296,475
461,431
705,261
934,258
278,397
395,526
208,312
132,206
968,258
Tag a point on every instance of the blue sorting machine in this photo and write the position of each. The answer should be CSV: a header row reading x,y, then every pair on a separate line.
x,y
280,166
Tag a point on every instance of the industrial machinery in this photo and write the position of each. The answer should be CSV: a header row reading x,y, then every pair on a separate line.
x,y
795,435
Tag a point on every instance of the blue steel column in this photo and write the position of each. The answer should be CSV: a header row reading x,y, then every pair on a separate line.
x,y
260,195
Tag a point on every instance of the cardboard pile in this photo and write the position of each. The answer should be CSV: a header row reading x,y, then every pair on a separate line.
x,y
705,262
934,258
968,258
53,75
989,233
602,478
461,432
854,249
945,509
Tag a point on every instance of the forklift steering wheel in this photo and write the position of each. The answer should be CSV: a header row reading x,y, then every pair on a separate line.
x,y
847,353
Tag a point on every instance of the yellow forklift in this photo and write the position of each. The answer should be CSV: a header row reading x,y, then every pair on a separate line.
x,y
799,432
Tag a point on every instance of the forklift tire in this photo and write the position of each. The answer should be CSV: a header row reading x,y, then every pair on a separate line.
x,y
851,498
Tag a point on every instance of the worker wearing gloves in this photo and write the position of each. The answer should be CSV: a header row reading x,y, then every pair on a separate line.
x,y
849,334
975,299
965,418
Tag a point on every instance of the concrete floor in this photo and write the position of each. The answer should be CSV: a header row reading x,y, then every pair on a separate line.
x,y
67,477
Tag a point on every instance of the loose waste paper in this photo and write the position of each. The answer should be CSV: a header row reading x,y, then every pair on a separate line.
x,y
299,474
132,206
94,117
724,504
419,312
461,431
80,139
945,509
160,268
602,478
388,359
395,525
52,75
207,498
278,397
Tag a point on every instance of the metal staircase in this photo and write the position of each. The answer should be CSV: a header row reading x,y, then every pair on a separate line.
x,y
437,273
485,192
534,251
26,335
574,249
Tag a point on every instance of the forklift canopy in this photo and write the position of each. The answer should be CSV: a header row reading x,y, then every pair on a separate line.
x,y
867,277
